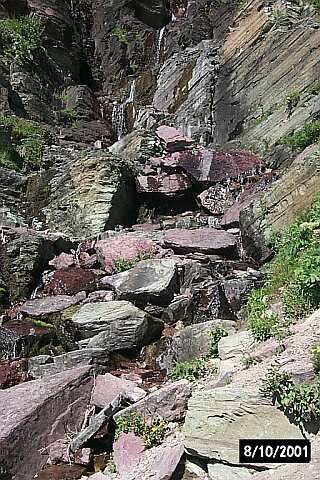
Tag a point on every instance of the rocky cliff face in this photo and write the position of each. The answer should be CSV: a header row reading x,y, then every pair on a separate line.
x,y
150,152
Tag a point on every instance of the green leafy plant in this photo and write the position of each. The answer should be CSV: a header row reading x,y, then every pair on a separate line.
x,y
111,466
19,37
121,34
152,432
314,88
70,116
193,370
315,357
261,322
248,360
292,99
300,402
299,140
124,264
216,336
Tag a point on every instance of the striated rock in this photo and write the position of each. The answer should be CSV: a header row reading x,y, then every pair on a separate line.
x,y
174,140
36,414
234,345
116,325
169,402
203,240
169,185
217,418
151,281
122,247
275,209
127,451
47,305
107,387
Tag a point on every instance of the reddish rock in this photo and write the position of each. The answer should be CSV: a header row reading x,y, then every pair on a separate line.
x,y
62,261
127,247
173,139
100,296
127,451
107,387
35,414
47,305
88,261
203,240
62,472
27,334
211,167
166,184
217,199
70,282
13,372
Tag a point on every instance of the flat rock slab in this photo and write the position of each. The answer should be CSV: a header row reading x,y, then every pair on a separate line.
x,y
47,305
219,471
127,451
36,413
203,240
165,184
151,281
116,325
169,402
218,417
107,387
239,343
173,139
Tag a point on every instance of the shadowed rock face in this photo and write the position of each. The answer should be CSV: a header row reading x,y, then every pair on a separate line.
x,y
152,12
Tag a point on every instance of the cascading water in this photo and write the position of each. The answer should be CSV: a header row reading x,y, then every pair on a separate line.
x,y
160,42
119,121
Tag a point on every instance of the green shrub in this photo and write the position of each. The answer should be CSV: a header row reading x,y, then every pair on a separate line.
x,y
315,357
216,336
193,370
314,88
124,264
247,361
121,34
111,466
152,433
70,116
261,322
291,101
19,37
300,402
299,140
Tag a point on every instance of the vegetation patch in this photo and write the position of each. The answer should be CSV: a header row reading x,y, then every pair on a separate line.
x,y
315,357
121,34
300,402
301,139
123,264
314,88
21,144
293,277
152,434
19,37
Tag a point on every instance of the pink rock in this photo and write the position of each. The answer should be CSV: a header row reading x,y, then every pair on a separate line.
x,y
165,184
88,261
62,261
173,139
123,246
100,296
127,451
107,387
210,166
46,305
203,240
70,282
57,452
265,350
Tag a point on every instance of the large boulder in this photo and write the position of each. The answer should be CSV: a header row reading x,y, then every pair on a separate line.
x,y
35,414
107,387
218,417
168,185
116,325
151,281
203,240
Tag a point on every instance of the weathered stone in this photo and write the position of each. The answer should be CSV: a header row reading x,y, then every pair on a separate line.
x,y
62,261
151,281
127,451
217,418
236,290
28,336
152,12
107,387
234,345
12,184
173,139
217,199
34,414
169,185
169,402
116,325
13,372
47,305
203,240
217,471
70,282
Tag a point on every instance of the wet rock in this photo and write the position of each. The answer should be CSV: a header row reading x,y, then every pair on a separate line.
x,y
107,387
151,281
237,414
173,139
122,247
116,325
169,402
153,12
70,282
217,200
169,185
62,472
234,345
47,305
44,365
62,261
127,451
13,372
191,342
203,240
35,414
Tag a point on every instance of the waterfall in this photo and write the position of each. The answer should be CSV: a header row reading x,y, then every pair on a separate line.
x,y
119,121
159,42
